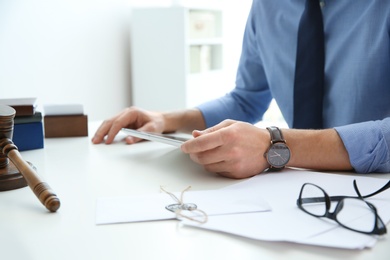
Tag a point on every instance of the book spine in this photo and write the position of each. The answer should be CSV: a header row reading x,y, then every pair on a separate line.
x,y
66,126
27,110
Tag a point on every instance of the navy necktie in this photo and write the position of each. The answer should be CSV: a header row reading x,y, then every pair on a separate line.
x,y
309,71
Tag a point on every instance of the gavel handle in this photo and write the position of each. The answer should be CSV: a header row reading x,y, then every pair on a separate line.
x,y
40,188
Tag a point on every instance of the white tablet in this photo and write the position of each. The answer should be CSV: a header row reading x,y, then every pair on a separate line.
x,y
162,138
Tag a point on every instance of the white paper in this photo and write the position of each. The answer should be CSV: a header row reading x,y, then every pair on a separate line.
x,y
286,222
63,109
152,206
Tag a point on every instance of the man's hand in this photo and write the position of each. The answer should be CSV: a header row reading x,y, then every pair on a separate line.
x,y
232,149
132,117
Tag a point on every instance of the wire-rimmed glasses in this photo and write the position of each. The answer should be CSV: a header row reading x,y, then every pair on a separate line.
x,y
353,213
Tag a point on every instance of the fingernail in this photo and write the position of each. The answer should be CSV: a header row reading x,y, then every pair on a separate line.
x,y
129,140
197,133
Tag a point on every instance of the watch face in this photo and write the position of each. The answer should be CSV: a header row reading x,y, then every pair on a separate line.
x,y
278,155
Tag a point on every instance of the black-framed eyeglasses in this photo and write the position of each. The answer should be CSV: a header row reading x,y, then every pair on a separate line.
x,y
353,213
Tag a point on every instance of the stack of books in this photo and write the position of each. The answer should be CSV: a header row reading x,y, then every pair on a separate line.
x,y
65,120
28,126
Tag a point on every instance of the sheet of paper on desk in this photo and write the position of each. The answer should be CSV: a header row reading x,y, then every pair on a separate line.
x,y
288,223
152,206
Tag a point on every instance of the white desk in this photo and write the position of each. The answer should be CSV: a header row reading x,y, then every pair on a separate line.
x,y
80,172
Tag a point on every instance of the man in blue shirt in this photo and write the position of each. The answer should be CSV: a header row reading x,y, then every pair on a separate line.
x,y
356,102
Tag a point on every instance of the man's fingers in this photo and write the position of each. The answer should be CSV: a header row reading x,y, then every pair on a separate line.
x,y
212,129
101,132
203,143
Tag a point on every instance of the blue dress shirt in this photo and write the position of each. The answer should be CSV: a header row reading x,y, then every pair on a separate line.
x,y
357,73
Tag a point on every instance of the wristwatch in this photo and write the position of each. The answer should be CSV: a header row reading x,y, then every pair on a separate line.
x,y
278,154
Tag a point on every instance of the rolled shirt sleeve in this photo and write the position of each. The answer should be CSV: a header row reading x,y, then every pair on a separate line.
x,y
368,145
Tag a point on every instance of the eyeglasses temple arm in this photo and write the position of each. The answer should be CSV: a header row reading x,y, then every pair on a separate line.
x,y
385,187
322,199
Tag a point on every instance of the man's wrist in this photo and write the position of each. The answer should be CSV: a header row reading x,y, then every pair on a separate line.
x,y
183,120
278,153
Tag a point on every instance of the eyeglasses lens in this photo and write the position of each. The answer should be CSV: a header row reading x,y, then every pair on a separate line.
x,y
356,214
313,200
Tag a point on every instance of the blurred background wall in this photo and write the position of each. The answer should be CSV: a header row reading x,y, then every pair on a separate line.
x,y
78,51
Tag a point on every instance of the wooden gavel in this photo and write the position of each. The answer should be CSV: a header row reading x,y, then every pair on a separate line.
x,y
9,151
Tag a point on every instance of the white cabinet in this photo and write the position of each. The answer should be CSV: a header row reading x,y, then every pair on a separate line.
x,y
176,56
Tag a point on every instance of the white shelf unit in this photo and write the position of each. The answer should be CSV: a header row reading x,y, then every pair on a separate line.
x,y
176,56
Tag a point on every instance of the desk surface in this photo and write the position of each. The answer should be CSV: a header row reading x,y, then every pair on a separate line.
x,y
80,172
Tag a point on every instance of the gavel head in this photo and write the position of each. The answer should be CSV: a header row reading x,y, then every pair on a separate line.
x,y
7,115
